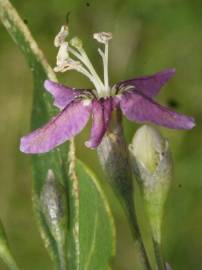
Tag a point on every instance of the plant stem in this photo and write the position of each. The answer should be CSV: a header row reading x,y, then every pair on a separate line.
x,y
114,158
158,255
135,230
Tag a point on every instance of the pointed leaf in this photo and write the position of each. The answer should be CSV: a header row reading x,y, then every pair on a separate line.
x,y
42,112
96,230
91,226
5,253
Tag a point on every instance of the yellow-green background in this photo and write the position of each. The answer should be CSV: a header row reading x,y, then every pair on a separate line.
x,y
149,35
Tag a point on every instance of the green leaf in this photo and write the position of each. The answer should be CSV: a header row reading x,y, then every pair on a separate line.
x,y
5,253
42,111
96,230
92,232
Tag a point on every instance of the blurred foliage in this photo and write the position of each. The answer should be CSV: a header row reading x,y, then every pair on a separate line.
x,y
148,36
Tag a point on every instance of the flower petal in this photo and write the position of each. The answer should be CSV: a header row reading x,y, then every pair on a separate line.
x,y
150,85
101,116
139,108
107,107
62,95
64,126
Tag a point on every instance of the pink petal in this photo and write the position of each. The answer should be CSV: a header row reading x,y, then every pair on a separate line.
x,y
64,126
108,107
101,116
139,108
62,95
150,85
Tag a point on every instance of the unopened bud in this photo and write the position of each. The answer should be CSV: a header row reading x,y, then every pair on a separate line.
x,y
102,37
54,207
61,36
76,42
148,147
151,161
114,158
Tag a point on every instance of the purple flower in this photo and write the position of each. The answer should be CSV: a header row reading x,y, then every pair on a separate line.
x,y
134,97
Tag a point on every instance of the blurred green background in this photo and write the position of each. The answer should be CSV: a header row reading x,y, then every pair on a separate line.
x,y
148,36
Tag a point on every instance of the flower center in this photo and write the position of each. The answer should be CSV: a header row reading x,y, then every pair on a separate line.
x,y
72,56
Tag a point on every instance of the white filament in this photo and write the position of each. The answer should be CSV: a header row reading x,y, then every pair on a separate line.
x,y
84,66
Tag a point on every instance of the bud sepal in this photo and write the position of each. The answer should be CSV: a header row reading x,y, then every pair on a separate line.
x,y
152,165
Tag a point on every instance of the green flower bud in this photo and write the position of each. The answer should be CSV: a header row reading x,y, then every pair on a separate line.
x,y
151,161
148,147
54,207
114,158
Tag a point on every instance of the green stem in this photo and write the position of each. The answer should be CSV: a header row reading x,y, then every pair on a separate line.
x,y
114,158
158,255
135,230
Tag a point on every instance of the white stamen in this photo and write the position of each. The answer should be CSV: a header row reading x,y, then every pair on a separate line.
x,y
61,36
105,64
82,56
101,53
102,37
75,47
68,64
63,54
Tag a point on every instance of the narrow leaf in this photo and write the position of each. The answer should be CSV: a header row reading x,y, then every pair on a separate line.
x,y
92,231
96,230
5,253
42,111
